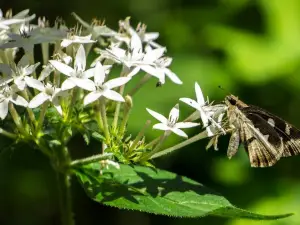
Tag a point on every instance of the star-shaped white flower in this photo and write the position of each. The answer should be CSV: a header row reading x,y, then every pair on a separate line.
x,y
32,35
8,94
17,73
76,39
78,76
48,92
156,65
171,123
118,55
149,37
96,30
206,115
17,19
105,88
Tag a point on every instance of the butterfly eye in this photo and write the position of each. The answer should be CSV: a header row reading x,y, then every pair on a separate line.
x,y
231,100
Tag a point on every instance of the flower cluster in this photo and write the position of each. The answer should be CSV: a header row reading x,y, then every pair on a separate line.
x,y
81,94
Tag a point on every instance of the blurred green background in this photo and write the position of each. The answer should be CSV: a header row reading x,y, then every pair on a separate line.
x,y
251,48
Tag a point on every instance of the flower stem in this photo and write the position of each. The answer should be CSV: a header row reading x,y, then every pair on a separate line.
x,y
139,136
140,84
157,147
16,118
98,115
72,103
62,161
42,116
118,107
104,119
65,198
91,159
180,145
127,108
7,134
29,111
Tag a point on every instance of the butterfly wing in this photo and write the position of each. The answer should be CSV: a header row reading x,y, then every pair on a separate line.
x,y
290,135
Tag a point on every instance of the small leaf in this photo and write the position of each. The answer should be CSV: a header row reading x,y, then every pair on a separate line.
x,y
86,138
98,136
157,191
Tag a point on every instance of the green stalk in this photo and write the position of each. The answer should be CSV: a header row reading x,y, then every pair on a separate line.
x,y
63,175
157,147
104,119
98,115
42,116
91,159
140,84
8,134
16,118
139,136
180,145
118,107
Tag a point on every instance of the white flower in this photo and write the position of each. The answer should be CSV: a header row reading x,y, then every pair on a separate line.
x,y
47,70
18,72
8,94
105,89
95,30
156,65
48,92
77,76
17,19
128,58
149,37
32,35
76,39
171,123
207,114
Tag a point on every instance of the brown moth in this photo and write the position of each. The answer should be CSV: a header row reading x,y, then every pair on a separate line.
x,y
266,137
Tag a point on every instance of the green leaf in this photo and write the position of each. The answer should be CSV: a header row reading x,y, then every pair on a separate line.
x,y
157,191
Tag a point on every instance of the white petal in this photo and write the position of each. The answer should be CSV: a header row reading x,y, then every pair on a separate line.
x,y
89,73
190,102
134,71
18,100
113,95
3,109
99,73
85,84
172,76
161,126
20,83
158,116
186,124
135,42
59,109
91,97
34,83
174,114
46,72
38,100
179,132
150,36
199,95
153,55
80,60
61,67
117,82
68,84
118,52
152,71
65,43
30,69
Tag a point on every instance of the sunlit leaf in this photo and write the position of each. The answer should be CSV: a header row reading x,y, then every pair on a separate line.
x,y
157,191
